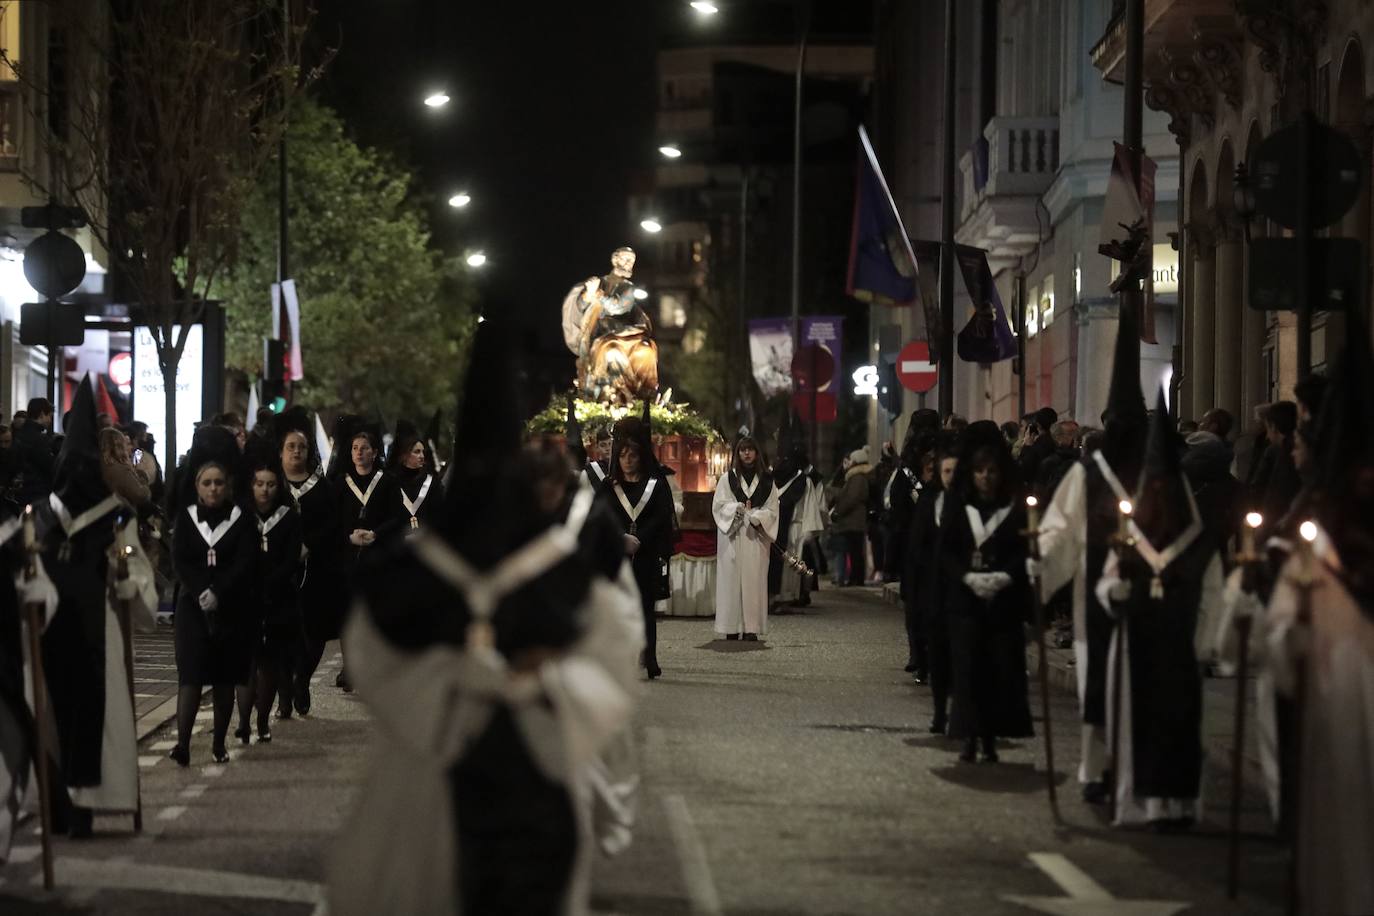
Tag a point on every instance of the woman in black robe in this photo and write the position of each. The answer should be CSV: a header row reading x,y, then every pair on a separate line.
x,y
982,558
417,493
638,496
276,596
212,552
323,537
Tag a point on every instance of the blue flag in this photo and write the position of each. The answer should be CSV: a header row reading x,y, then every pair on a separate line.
x,y
987,338
882,268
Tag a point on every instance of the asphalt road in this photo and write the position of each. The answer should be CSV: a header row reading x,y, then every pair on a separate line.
x,y
794,776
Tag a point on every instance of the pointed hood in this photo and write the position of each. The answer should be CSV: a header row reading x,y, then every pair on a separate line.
x,y
1164,507
792,451
572,433
81,437
647,418
490,506
1125,422
1345,461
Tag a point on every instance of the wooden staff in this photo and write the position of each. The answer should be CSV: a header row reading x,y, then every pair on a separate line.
x,y
1032,534
1248,561
34,613
126,629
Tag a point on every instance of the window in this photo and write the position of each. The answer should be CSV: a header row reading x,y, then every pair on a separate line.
x,y
1032,313
1047,303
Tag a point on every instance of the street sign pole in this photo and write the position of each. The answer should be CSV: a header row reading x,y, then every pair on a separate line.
x,y
947,223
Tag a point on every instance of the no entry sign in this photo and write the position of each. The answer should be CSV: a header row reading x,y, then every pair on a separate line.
x,y
914,369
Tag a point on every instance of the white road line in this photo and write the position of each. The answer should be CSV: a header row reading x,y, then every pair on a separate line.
x,y
691,855
200,882
148,760
171,812
162,745
1085,896
194,791
213,771
1073,880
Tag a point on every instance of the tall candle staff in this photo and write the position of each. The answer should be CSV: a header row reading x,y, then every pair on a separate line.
x,y
1249,562
1032,534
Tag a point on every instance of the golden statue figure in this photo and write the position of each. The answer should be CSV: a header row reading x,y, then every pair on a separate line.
x,y
611,336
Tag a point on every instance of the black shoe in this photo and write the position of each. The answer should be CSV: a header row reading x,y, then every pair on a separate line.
x,y
937,725
920,677
653,670
751,637
343,683
910,667
732,636
969,753
1096,792
244,734
181,755
264,736
219,755
81,824
302,701
990,757
284,710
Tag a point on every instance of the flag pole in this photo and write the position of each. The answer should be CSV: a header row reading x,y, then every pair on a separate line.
x,y
947,223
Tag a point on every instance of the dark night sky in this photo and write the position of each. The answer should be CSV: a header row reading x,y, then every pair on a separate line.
x,y
552,114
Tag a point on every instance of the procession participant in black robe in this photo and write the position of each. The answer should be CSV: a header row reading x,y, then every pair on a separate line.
x,y
78,526
276,596
323,538
366,496
1075,532
924,595
982,556
496,664
790,479
1163,591
637,494
914,473
417,493
213,544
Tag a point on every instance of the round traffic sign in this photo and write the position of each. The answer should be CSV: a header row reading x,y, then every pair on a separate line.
x,y
1306,170
54,264
813,364
914,369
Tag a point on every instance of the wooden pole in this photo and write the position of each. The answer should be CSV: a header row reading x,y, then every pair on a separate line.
x,y
33,614
1032,534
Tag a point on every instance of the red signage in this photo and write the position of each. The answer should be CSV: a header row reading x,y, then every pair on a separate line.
x,y
914,369
813,365
825,406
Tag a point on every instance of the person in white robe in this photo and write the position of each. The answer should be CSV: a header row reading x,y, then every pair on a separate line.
x,y
745,509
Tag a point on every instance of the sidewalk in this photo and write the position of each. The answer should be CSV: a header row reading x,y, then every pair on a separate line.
x,y
1218,704
155,680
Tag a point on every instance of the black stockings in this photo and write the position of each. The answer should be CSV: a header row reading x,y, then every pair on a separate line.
x,y
188,702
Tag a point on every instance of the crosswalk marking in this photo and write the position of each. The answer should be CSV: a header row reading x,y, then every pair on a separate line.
x,y
171,812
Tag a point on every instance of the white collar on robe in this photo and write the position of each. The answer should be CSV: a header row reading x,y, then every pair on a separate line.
x,y
483,591
982,531
1159,559
74,526
414,507
634,512
210,536
306,486
371,487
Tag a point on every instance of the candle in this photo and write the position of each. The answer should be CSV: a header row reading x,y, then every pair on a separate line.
x,y
1308,533
29,535
1032,514
1124,530
1247,536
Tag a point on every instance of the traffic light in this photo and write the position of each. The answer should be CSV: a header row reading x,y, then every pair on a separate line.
x,y
274,374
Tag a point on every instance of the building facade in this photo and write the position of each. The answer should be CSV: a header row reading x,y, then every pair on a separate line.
x,y
1228,74
1035,126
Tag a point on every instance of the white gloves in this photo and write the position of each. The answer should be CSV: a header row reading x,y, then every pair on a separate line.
x,y
631,545
361,537
1032,568
986,585
208,601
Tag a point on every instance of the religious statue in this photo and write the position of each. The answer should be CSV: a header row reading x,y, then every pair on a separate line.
x,y
611,336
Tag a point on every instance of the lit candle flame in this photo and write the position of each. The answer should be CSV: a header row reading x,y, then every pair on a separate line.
x,y
1032,502
1125,507
1308,530
1254,519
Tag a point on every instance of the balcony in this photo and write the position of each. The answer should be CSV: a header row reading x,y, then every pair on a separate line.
x,y
1005,174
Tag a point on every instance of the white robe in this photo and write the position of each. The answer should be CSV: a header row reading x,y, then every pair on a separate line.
x,y
1064,559
1240,604
806,523
118,789
398,853
1335,839
742,560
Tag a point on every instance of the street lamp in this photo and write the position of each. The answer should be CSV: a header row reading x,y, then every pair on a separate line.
x,y
670,151
460,200
476,259
651,225
436,99
704,7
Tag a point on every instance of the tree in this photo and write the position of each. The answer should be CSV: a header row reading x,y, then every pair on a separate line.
x,y
165,112
384,320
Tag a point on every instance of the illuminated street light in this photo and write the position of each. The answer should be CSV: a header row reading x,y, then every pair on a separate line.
x,y
651,225
476,259
436,100
670,151
704,7
460,200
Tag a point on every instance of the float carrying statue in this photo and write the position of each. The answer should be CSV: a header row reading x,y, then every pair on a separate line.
x,y
611,336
